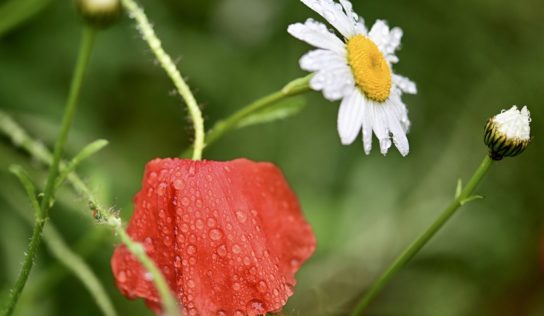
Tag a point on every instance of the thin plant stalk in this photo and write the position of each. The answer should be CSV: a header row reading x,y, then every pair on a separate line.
x,y
293,88
154,43
462,197
41,216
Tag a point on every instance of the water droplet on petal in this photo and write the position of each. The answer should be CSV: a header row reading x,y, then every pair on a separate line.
x,y
236,286
215,234
222,250
211,222
191,249
241,216
191,283
178,184
236,249
199,224
256,307
262,287
122,277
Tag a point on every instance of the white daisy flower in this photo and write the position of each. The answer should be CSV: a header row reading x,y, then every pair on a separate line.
x,y
357,70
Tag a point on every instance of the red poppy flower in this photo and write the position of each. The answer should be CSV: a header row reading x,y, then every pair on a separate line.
x,y
228,236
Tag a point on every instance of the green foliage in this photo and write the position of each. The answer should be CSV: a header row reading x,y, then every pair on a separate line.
x,y
279,111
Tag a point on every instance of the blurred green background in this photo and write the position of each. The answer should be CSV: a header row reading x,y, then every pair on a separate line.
x,y
470,59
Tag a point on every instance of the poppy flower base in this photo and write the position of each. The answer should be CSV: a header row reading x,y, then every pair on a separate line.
x,y
228,237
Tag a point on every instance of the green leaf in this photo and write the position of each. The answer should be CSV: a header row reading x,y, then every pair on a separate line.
x,y
470,199
85,153
278,111
25,180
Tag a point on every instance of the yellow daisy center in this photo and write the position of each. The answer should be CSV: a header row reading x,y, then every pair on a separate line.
x,y
370,69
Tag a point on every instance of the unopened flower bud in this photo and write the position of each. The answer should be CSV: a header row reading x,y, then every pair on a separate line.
x,y
508,133
99,13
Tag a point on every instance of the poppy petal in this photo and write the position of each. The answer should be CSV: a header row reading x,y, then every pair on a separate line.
x,y
228,236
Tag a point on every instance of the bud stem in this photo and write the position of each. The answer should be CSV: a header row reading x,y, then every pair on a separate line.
x,y
422,240
154,43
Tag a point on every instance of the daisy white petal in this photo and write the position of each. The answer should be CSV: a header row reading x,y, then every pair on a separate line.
x,y
334,14
316,34
397,130
335,82
350,117
404,84
318,59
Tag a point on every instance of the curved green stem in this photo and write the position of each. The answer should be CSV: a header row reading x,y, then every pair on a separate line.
x,y
295,87
463,197
135,12
41,216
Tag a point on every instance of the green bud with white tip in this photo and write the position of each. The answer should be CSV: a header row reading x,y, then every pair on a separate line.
x,y
99,13
508,133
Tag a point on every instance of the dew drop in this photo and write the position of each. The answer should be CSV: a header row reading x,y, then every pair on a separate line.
x,y
184,228
185,201
148,245
211,222
247,261
236,249
221,313
191,283
122,277
162,214
241,216
191,249
162,189
261,286
215,234
256,307
178,184
236,286
177,262
199,224
193,312
222,250
167,241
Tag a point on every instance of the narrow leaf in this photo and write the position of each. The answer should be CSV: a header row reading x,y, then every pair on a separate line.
x,y
278,111
23,177
85,153
459,188
470,199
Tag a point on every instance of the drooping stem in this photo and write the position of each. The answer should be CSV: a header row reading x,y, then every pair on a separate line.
x,y
41,214
462,198
293,88
154,43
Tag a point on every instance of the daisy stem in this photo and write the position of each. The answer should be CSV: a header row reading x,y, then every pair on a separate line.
x,y
220,128
462,198
84,54
154,43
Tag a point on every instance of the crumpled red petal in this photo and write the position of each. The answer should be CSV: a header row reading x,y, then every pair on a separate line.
x,y
228,236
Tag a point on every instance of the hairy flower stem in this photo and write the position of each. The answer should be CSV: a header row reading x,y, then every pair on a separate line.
x,y
462,198
41,216
154,43
293,88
